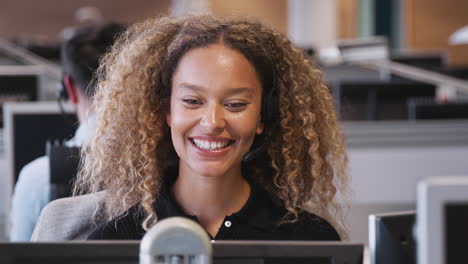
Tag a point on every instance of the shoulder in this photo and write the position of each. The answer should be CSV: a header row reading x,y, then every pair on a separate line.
x,y
124,227
32,188
80,202
35,171
33,181
36,163
76,206
68,218
309,226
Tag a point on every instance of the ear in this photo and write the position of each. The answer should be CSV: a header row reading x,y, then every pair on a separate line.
x,y
260,128
72,90
168,118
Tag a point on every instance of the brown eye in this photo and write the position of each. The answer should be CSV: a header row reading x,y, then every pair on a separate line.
x,y
192,103
236,107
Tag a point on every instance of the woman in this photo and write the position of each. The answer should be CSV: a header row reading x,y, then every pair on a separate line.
x,y
221,121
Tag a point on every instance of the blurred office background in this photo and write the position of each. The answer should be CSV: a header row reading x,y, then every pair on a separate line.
x,y
398,70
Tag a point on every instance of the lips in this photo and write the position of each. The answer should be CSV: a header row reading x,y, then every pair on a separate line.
x,y
211,146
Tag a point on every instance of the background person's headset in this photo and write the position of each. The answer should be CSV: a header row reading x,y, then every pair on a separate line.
x,y
62,96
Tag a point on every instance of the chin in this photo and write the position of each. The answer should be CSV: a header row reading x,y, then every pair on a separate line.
x,y
210,170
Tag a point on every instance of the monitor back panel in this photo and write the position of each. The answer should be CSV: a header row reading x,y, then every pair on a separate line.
x,y
391,238
224,252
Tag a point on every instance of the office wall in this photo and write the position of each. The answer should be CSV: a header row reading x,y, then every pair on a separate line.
x,y
366,25
429,23
312,23
270,12
348,16
46,18
305,21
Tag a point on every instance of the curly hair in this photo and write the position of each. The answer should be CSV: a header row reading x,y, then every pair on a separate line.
x,y
304,162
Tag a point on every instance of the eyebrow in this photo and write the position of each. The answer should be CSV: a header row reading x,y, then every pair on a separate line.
x,y
231,91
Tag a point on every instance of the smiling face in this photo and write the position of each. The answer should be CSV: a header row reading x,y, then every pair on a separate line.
x,y
215,110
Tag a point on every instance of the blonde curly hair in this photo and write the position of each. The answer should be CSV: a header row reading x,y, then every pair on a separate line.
x,y
303,161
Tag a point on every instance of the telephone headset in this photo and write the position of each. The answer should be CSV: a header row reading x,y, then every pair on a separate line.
x,y
62,93
269,117
270,104
62,96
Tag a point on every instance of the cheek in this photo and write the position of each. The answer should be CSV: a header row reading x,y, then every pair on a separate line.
x,y
245,126
177,112
178,128
179,121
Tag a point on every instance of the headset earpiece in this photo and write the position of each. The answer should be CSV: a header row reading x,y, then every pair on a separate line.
x,y
269,117
62,93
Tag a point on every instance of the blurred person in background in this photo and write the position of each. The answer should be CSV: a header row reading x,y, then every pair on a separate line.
x,y
80,56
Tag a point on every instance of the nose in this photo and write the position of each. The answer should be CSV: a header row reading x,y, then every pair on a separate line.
x,y
213,119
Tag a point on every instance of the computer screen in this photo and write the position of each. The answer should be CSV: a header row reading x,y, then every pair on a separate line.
x,y
428,108
29,126
456,232
224,252
391,238
442,217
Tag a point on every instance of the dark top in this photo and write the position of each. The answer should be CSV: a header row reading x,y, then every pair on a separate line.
x,y
257,220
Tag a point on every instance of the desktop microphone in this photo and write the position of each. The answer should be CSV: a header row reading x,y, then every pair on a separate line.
x,y
176,240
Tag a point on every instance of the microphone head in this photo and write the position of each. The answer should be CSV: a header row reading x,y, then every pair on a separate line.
x,y
175,239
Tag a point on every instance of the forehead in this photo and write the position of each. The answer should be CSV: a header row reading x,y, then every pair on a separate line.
x,y
216,66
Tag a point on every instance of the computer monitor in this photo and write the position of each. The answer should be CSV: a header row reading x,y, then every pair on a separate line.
x,y
391,238
224,252
442,217
428,108
28,126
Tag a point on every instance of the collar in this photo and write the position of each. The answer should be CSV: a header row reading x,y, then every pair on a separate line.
x,y
84,132
166,206
259,212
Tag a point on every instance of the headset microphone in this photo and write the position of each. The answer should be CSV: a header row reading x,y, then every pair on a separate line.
x,y
62,93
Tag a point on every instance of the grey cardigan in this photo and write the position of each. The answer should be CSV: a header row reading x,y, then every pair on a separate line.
x,y
68,218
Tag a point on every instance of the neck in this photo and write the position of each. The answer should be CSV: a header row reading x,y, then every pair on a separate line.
x,y
83,109
211,198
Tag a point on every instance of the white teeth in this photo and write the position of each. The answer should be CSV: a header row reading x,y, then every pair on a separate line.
x,y
210,145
